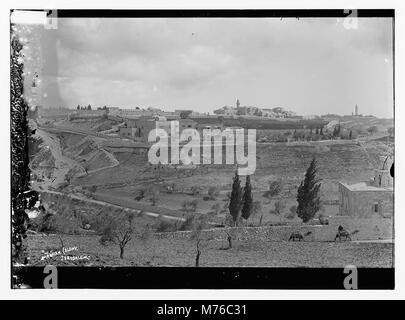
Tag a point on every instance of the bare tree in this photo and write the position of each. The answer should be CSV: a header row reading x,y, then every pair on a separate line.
x,y
278,208
119,230
155,197
196,236
229,238
197,257
257,207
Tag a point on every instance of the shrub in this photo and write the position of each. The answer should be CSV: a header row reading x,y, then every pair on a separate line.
x,y
229,220
170,188
188,224
213,192
155,197
65,221
292,213
163,225
257,208
372,129
140,195
278,208
216,208
323,220
227,197
92,189
44,222
107,237
195,190
145,234
189,206
275,188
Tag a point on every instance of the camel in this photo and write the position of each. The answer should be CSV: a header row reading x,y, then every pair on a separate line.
x,y
298,235
344,234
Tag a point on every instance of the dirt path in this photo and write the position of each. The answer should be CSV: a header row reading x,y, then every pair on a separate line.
x,y
369,158
62,163
115,204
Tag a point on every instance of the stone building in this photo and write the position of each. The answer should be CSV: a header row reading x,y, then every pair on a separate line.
x,y
139,129
366,199
208,123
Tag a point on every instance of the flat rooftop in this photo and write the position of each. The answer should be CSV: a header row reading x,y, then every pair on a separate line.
x,y
364,186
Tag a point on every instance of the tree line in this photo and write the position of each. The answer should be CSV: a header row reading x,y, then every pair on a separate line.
x,y
241,203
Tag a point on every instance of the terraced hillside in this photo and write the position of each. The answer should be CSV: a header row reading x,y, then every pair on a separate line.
x,y
336,161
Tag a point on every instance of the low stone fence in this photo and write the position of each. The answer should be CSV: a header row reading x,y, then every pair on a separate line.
x,y
268,233
368,229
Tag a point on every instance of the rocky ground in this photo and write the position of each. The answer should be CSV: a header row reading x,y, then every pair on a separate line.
x,y
181,252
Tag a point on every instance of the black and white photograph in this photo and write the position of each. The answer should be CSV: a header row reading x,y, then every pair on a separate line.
x,y
202,149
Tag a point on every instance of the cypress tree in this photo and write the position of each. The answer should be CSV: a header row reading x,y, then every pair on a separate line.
x,y
236,198
247,200
308,194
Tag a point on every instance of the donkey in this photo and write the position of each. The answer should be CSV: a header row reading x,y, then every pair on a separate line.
x,y
344,234
297,235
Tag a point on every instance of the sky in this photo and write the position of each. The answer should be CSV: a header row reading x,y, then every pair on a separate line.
x,y
309,66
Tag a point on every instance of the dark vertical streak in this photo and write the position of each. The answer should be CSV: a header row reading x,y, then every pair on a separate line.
x,y
20,173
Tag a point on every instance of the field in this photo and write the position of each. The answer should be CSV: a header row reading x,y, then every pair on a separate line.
x,y
181,252
113,171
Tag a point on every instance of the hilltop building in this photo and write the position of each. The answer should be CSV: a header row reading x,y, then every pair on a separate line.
x,y
365,199
226,111
253,111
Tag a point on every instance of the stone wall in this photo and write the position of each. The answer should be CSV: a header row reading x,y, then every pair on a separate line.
x,y
369,229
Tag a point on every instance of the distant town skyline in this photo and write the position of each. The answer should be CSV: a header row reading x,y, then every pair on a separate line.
x,y
308,66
